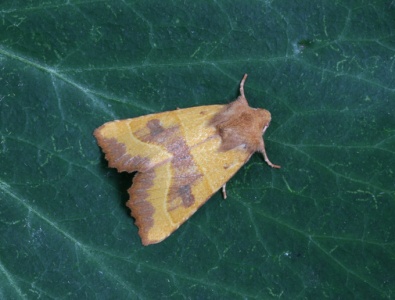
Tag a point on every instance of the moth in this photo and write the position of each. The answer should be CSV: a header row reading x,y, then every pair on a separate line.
x,y
182,158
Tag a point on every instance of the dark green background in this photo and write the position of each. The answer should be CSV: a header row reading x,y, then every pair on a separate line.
x,y
320,227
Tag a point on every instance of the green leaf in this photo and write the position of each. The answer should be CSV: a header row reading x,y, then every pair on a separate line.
x,y
320,227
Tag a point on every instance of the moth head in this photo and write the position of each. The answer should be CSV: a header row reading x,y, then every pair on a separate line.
x,y
263,116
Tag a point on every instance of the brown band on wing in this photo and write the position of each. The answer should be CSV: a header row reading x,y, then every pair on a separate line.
x,y
118,157
142,210
185,172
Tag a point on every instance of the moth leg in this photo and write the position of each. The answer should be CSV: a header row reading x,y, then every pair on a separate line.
x,y
263,151
224,191
242,86
268,161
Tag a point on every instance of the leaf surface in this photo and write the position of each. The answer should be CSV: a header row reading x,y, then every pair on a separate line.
x,y
320,227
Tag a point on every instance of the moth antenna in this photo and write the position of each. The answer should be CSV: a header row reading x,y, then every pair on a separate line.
x,y
242,85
